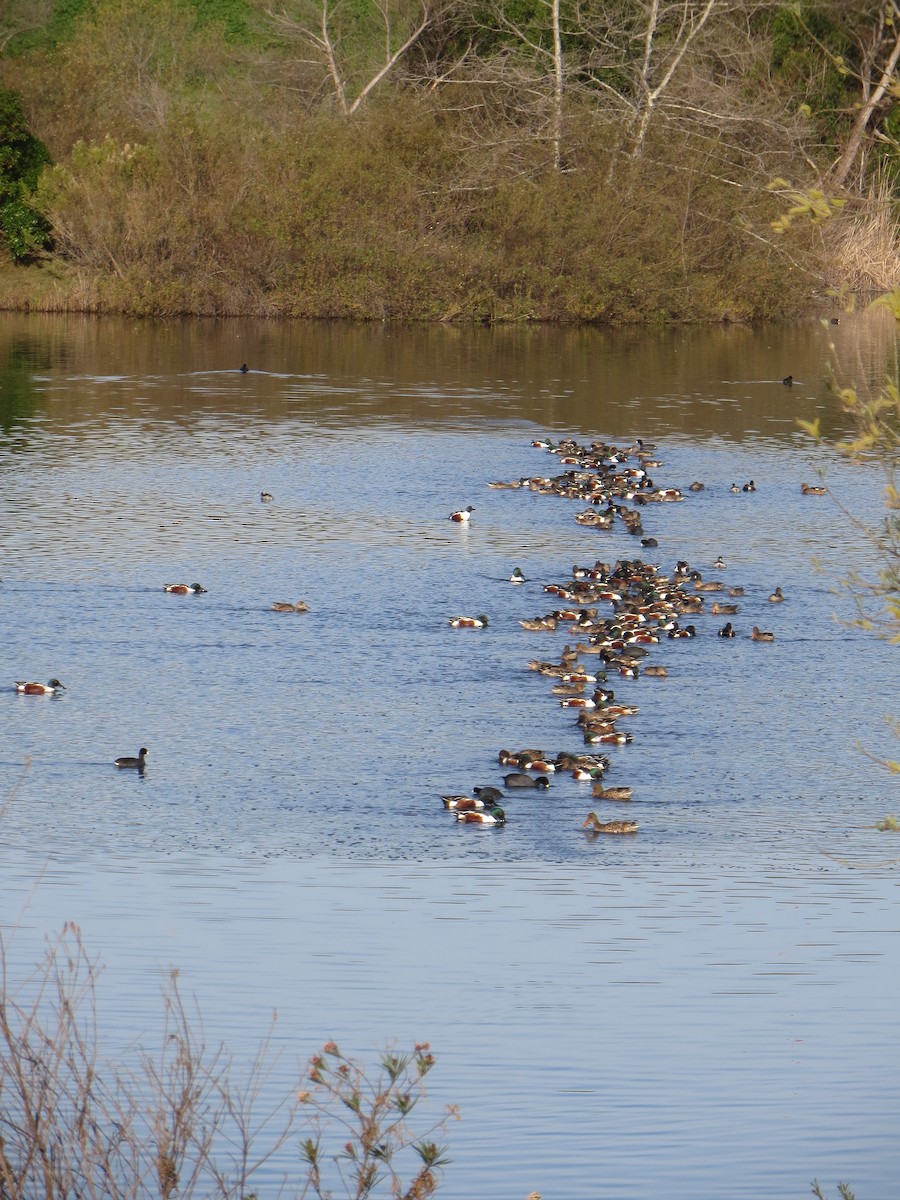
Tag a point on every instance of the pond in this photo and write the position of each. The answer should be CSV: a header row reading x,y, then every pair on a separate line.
x,y
704,1009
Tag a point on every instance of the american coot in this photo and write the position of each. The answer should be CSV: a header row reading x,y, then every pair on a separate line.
x,y
518,779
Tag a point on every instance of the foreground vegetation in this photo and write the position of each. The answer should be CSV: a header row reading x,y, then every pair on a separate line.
x,y
182,1120
567,160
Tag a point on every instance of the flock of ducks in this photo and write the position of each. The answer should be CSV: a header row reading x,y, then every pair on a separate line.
x,y
614,614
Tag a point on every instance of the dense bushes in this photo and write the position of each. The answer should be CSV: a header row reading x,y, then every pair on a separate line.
x,y
203,165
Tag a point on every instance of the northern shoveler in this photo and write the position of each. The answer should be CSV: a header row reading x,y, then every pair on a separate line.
x,y
463,803
184,589
810,490
724,610
540,624
478,622
659,672
493,816
40,689
134,764
759,635
593,824
612,793
517,576
462,515
280,606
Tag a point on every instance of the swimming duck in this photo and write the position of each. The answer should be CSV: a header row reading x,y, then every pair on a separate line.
x,y
463,803
493,816
788,381
518,779
776,597
710,585
736,591
749,487
727,630
593,824
280,606
808,490
184,589
659,672
734,488
612,793
39,689
462,515
759,635
266,497
587,774
722,610
697,486
517,576
611,737
478,622
501,483
688,631
134,764
540,624
719,564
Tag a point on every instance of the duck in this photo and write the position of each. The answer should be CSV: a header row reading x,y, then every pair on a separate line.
x,y
184,589
659,672
709,585
492,816
39,689
809,490
688,631
281,606
504,483
462,515
463,803
478,622
612,793
722,610
727,630
541,765
735,591
243,368
719,564
266,497
587,774
697,486
734,488
540,624
777,596
518,779
788,381
749,487
593,824
134,764
649,543
759,635
612,737
517,576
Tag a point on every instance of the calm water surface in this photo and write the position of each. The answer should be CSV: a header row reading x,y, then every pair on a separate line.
x,y
702,1010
